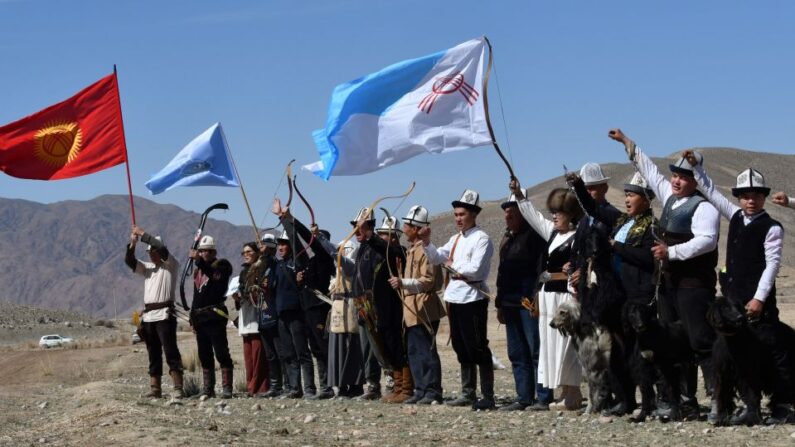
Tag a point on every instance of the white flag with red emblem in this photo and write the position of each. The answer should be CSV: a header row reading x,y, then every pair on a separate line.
x,y
431,104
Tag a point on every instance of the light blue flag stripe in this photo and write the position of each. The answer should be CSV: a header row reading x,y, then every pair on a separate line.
x,y
205,161
372,94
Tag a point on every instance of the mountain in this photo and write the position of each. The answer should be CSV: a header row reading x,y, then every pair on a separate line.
x,y
70,254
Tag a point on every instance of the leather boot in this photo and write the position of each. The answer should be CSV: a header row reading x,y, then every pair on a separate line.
x,y
208,382
486,402
469,376
155,389
397,387
226,383
176,377
407,390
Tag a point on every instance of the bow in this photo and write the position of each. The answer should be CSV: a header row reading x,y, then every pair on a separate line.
x,y
486,107
311,215
289,183
353,232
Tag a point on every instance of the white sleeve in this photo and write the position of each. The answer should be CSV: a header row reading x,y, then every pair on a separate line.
x,y
774,242
543,226
411,285
477,266
657,182
724,206
436,255
792,202
705,227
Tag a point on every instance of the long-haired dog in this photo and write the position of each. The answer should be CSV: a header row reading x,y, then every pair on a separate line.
x,y
742,362
663,344
593,344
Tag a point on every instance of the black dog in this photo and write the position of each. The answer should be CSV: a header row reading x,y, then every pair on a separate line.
x,y
593,344
666,346
742,362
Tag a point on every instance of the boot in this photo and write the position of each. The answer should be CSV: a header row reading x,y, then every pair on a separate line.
x,y
176,377
154,387
406,392
486,402
573,400
226,383
397,387
373,392
469,377
208,382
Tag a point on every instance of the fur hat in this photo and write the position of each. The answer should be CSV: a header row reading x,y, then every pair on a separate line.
x,y
206,243
563,200
469,200
750,180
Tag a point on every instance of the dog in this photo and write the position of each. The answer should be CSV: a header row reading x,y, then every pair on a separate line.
x,y
666,346
742,363
593,344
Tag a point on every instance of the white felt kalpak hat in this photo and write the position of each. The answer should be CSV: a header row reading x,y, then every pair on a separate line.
x,y
417,216
591,174
268,240
364,214
206,243
469,200
284,237
389,225
638,185
512,200
682,166
750,180
150,248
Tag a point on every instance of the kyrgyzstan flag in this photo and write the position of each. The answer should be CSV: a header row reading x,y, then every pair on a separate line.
x,y
79,136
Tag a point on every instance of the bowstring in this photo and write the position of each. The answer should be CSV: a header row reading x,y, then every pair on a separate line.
x,y
502,111
275,194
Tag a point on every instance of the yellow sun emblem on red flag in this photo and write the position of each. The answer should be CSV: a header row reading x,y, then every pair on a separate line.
x,y
58,143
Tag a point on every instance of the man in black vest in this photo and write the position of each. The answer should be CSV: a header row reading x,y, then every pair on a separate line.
x,y
689,252
521,250
753,258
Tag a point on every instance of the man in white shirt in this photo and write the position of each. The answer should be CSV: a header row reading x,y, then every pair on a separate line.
x,y
688,249
159,326
467,258
753,258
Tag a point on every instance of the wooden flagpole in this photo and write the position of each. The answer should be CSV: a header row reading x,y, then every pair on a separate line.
x,y
124,140
242,190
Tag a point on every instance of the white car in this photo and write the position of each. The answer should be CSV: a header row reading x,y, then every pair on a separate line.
x,y
54,341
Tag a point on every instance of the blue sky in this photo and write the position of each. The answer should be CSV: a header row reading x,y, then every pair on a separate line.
x,y
672,74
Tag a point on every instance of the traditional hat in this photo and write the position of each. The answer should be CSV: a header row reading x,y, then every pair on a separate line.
x,y
364,214
512,200
326,234
389,225
206,243
638,185
564,200
591,174
150,248
750,180
417,216
682,166
469,200
268,240
283,238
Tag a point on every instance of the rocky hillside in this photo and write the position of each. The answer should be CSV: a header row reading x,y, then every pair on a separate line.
x,y
69,255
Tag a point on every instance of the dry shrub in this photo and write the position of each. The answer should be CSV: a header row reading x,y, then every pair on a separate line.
x,y
191,385
99,322
46,367
189,362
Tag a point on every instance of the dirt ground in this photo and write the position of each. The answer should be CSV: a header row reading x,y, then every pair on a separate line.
x,y
92,396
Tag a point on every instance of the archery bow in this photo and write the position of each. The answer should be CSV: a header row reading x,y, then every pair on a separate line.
x,y
311,215
486,108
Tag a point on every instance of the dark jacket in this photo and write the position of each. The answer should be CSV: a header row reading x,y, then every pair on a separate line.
x,y
283,286
372,273
210,282
318,270
520,255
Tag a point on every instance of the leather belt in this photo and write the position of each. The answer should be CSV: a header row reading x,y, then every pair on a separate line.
x,y
553,276
155,306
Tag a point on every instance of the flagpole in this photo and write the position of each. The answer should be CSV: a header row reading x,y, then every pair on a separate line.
x,y
240,182
124,140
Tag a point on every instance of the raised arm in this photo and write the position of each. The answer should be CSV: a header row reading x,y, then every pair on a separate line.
x,y
657,182
722,204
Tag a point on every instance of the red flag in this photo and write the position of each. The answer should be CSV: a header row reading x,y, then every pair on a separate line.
x,y
79,136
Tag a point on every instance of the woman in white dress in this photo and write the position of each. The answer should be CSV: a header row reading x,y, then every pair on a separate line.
x,y
558,365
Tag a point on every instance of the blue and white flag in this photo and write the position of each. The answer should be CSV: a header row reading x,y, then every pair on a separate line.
x,y
205,161
431,104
